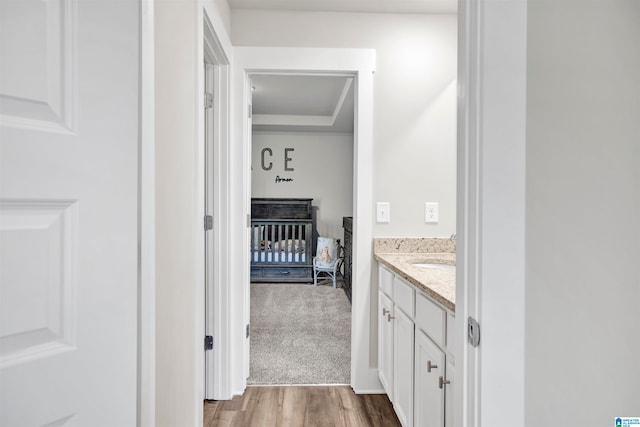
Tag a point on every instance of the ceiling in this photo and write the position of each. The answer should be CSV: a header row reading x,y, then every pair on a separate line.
x,y
296,103
291,103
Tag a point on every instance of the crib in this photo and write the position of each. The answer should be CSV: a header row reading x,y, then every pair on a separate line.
x,y
283,237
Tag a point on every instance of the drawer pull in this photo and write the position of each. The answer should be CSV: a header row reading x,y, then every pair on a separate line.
x,y
385,311
284,272
390,318
442,382
430,367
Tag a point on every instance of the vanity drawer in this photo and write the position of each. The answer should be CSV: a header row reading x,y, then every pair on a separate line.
x,y
404,296
451,328
385,280
431,319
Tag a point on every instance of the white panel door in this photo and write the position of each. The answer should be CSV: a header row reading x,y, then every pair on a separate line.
x,y
68,212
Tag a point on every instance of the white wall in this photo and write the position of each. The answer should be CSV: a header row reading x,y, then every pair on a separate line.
x,y
415,95
323,171
175,206
179,208
583,213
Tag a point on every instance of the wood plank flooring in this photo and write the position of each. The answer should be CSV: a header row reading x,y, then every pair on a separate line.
x,y
308,406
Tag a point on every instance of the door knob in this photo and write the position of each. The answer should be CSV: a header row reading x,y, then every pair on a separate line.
x,y
442,382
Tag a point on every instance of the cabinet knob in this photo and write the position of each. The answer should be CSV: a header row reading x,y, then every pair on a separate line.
x,y
390,318
385,311
442,382
430,367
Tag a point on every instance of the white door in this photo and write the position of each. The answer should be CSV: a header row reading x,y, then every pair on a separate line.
x,y
69,142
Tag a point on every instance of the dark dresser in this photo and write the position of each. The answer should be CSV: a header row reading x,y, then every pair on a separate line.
x,y
347,224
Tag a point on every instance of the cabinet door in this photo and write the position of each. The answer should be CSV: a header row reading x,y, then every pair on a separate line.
x,y
385,343
403,367
429,367
449,393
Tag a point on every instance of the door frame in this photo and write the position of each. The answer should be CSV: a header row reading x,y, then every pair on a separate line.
x,y
361,64
492,70
216,381
146,222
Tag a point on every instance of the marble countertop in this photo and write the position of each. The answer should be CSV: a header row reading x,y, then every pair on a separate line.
x,y
439,284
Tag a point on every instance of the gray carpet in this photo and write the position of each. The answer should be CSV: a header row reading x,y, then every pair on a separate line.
x,y
300,334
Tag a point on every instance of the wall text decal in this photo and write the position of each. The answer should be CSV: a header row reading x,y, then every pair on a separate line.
x,y
269,152
279,180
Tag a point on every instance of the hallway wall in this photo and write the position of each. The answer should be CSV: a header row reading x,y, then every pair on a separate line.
x,y
179,241
414,95
583,213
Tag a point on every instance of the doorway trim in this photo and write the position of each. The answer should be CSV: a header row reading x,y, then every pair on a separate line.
x,y
215,377
361,64
492,73
146,416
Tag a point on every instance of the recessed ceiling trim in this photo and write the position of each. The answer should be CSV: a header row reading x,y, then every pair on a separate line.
x,y
292,120
343,96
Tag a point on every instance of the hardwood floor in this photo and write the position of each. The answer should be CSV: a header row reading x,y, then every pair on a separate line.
x,y
308,406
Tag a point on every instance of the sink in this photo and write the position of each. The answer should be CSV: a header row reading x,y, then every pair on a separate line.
x,y
434,265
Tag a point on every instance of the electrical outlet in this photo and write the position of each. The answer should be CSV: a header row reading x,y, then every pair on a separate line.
x,y
431,212
383,212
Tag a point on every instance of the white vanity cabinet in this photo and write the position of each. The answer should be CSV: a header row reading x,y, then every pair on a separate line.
x,y
385,343
415,357
429,367
403,330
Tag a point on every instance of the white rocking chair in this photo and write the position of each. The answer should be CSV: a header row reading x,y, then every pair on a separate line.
x,y
328,260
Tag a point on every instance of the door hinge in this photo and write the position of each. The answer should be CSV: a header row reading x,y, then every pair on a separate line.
x,y
247,330
208,100
473,332
208,342
208,222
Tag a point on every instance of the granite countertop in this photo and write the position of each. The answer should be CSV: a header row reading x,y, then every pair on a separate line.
x,y
439,284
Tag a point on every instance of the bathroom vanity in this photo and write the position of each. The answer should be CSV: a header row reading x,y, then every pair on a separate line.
x,y
416,324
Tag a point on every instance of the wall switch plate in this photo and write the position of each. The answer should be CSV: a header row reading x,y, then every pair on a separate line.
x,y
431,212
383,212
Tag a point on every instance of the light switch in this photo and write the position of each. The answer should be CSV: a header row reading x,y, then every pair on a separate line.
x,y
383,212
431,212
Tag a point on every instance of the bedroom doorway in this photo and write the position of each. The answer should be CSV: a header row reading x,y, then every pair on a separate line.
x,y
302,153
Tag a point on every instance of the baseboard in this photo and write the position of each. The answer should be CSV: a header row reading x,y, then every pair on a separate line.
x,y
375,391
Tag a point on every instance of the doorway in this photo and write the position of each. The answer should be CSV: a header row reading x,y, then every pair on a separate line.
x,y
302,154
357,62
